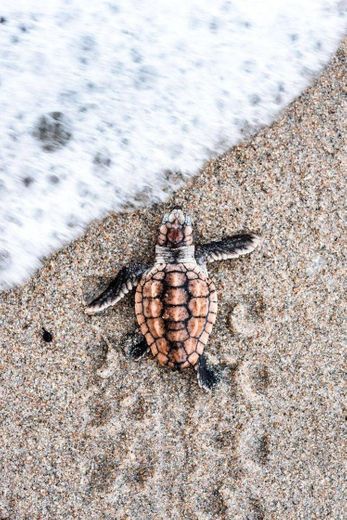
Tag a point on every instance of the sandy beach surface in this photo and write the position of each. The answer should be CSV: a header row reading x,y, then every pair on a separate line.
x,y
87,433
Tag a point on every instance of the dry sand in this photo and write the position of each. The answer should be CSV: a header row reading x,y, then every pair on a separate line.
x,y
87,433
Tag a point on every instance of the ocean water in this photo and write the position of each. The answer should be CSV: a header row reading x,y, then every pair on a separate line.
x,y
109,104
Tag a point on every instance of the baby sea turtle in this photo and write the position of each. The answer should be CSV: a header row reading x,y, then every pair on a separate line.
x,y
175,300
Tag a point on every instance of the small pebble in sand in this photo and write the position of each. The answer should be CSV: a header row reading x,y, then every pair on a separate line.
x,y
46,336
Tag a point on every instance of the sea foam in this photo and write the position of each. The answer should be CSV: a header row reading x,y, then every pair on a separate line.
x,y
112,103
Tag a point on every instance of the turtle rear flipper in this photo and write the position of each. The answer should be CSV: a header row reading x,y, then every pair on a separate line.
x,y
230,247
208,377
135,346
126,280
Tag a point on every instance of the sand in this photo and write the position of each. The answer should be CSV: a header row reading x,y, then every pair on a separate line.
x,y
87,433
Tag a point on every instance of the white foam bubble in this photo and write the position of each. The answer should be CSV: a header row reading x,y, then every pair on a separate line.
x,y
144,88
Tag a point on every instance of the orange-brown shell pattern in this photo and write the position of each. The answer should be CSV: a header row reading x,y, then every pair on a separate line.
x,y
176,307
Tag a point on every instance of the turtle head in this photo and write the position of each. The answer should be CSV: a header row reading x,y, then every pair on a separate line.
x,y
175,230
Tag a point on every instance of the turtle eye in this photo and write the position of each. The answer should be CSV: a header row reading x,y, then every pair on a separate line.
x,y
165,218
188,220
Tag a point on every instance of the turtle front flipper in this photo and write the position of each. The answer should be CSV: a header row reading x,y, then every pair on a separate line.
x,y
126,280
230,247
208,377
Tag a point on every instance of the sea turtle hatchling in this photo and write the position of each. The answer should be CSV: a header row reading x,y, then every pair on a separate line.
x,y
175,300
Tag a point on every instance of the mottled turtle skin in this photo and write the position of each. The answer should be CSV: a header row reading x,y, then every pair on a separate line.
x,y
175,300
